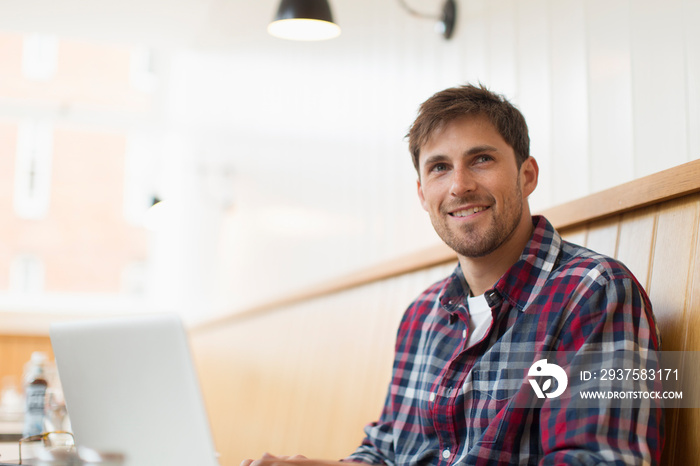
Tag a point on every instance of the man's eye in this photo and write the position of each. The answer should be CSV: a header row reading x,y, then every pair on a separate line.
x,y
483,159
439,167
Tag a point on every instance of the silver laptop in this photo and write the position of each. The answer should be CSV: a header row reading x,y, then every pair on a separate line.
x,y
130,387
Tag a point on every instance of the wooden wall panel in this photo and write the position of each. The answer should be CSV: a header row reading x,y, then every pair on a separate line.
x,y
287,373
670,273
306,377
692,342
669,289
688,420
636,242
15,351
602,236
578,235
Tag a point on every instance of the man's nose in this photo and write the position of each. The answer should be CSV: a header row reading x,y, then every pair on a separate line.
x,y
462,182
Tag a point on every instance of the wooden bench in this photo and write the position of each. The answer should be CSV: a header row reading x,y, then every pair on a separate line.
x,y
304,374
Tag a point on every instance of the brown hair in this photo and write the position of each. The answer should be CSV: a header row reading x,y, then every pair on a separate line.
x,y
456,102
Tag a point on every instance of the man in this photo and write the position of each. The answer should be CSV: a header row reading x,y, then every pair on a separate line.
x,y
519,296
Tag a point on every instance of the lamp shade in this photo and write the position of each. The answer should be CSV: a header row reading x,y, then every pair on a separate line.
x,y
304,20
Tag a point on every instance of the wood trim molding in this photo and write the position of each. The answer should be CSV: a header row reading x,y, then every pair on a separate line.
x,y
662,186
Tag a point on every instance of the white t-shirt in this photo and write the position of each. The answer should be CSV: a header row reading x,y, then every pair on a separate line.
x,y
479,318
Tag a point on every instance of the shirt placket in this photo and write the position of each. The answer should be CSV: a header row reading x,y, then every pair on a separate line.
x,y
448,393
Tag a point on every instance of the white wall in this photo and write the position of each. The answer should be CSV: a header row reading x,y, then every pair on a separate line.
x,y
322,180
287,160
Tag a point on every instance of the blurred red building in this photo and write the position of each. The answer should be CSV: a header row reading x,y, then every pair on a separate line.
x,y
65,111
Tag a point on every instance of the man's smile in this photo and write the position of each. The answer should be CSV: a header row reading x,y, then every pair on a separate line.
x,y
467,211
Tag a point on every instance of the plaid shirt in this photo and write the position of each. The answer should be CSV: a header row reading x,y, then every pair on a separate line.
x,y
448,404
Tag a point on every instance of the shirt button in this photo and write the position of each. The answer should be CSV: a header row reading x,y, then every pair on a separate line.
x,y
464,334
432,397
446,454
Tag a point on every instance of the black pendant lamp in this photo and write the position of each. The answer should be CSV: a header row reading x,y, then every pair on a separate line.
x,y
304,20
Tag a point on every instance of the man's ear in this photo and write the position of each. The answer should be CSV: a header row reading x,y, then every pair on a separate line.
x,y
420,195
529,174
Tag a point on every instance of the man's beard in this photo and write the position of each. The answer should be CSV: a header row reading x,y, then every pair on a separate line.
x,y
468,242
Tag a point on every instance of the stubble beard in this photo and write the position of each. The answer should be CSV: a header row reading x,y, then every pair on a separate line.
x,y
469,242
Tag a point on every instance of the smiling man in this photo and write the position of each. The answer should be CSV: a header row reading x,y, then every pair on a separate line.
x,y
460,392
475,190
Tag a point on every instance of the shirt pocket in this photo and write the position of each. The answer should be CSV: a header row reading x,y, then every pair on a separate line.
x,y
499,384
491,392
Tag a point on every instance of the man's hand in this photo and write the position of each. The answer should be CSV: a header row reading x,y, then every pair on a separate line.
x,y
271,460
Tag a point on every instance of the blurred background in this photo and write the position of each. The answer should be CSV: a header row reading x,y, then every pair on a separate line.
x,y
281,164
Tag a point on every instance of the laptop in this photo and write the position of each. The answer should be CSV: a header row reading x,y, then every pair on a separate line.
x,y
130,387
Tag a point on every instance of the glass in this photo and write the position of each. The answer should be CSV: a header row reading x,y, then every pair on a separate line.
x,y
61,440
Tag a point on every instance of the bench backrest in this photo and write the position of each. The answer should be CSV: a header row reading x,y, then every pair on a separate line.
x,y
305,373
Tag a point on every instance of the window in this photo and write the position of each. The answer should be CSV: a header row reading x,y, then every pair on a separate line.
x,y
26,275
33,169
39,57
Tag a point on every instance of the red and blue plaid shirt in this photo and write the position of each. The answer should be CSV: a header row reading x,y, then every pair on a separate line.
x,y
449,404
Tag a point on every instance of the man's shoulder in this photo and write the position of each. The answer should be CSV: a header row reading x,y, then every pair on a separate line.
x,y
548,259
576,260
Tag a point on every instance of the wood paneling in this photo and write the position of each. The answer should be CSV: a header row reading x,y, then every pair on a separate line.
x,y
688,420
602,236
576,235
636,242
15,351
306,375
670,275
668,184
659,244
287,375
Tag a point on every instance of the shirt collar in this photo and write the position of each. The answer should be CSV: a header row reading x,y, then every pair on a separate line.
x,y
523,281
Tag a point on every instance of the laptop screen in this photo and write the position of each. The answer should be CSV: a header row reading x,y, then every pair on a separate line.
x,y
131,387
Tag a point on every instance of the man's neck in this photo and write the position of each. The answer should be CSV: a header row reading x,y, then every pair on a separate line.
x,y
481,273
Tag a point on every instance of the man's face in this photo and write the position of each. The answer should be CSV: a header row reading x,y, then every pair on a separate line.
x,y
471,186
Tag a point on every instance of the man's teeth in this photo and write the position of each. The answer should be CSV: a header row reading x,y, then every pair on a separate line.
x,y
464,213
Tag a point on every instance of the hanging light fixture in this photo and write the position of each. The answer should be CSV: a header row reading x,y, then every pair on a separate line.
x,y
304,20
445,21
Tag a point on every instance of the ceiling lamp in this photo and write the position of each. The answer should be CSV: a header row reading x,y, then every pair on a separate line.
x,y
304,20
446,19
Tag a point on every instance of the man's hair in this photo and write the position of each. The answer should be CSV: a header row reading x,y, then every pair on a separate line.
x,y
457,102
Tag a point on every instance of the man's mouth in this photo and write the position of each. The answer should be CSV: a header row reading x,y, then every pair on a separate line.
x,y
468,212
